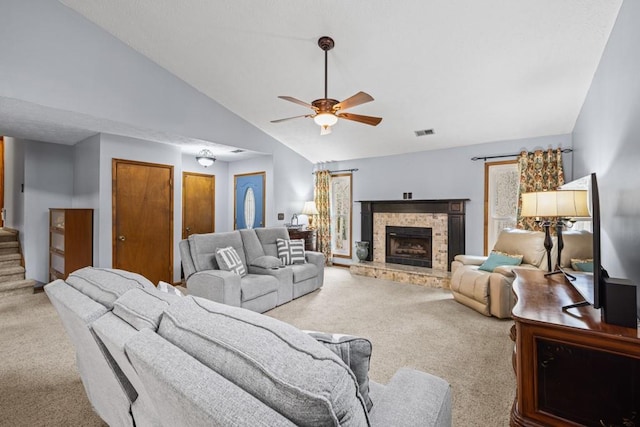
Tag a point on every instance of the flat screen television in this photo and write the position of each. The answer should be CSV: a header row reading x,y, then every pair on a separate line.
x,y
595,295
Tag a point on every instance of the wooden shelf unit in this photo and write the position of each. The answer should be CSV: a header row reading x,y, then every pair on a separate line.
x,y
70,241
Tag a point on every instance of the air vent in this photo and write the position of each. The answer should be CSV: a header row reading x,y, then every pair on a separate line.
x,y
238,151
424,132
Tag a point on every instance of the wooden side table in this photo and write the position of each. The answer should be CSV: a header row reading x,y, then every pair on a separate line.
x,y
309,236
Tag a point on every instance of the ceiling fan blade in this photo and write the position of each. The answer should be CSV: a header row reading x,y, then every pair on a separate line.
x,y
289,118
297,101
368,120
357,99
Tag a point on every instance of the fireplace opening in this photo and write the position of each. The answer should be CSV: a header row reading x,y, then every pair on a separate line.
x,y
409,246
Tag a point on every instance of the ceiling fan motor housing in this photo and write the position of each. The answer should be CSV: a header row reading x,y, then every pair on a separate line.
x,y
324,105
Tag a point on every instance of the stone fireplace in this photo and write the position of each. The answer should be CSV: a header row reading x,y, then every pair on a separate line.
x,y
408,245
444,220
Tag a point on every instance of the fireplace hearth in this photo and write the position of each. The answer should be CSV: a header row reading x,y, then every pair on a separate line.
x,y
409,246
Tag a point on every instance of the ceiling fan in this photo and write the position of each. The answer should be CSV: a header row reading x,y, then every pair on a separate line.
x,y
327,111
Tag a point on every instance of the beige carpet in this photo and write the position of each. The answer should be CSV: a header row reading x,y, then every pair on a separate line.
x,y
408,325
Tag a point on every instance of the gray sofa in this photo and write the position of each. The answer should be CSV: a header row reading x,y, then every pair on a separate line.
x,y
147,358
264,287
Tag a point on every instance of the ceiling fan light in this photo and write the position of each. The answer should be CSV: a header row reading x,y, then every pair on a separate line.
x,y
325,119
325,130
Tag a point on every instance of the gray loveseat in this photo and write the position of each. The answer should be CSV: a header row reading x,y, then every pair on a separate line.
x,y
148,358
264,287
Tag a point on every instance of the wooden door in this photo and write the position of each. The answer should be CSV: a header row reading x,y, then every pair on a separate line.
x,y
143,219
198,203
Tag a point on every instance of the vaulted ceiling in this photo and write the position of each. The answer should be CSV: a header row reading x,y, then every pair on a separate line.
x,y
473,71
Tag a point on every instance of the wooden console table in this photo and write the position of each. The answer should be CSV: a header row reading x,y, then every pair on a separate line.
x,y
571,368
309,237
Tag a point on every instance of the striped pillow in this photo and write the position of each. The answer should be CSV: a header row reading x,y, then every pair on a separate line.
x,y
229,260
291,251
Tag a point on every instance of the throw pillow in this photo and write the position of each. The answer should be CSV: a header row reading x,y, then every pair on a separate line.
x,y
266,261
229,260
585,265
499,258
291,251
355,352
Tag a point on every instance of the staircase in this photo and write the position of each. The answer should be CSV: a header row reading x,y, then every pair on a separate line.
x,y
12,279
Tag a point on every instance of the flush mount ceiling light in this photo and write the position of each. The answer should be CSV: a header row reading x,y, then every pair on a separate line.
x,y
327,111
205,158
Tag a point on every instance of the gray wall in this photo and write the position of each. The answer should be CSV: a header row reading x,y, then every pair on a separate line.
x,y
53,56
440,174
86,184
606,140
13,179
48,172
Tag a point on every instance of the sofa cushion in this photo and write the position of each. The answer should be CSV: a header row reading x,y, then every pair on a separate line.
x,y
142,308
267,261
497,259
355,352
255,285
229,260
273,361
106,285
252,247
530,244
268,238
291,251
204,246
302,272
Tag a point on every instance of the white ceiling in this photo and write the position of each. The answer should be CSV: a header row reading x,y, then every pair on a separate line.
x,y
474,71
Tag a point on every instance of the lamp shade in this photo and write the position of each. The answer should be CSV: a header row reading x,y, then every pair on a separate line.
x,y
309,208
562,203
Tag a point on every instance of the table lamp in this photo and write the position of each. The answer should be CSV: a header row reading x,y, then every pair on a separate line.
x,y
310,210
563,205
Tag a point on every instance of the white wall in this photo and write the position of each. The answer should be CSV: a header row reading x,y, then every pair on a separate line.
x,y
606,142
439,174
48,184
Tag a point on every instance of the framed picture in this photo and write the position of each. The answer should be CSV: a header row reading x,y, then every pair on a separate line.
x,y
501,185
249,195
340,193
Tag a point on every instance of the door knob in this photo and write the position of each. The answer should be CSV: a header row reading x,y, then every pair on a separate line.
x,y
188,229
121,238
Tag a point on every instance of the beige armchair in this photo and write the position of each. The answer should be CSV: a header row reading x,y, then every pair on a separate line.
x,y
490,293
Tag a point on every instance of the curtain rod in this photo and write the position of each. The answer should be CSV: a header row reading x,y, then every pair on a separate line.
x,y
485,158
340,170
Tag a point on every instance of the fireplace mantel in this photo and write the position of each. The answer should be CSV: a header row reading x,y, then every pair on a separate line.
x,y
453,208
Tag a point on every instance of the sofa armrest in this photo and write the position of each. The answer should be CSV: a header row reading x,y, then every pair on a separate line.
x,y
316,258
470,259
216,285
413,398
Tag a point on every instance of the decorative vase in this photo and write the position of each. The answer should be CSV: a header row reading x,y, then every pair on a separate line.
x,y
362,250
